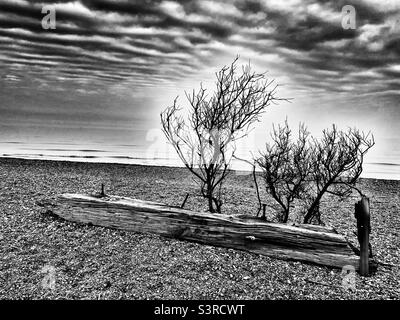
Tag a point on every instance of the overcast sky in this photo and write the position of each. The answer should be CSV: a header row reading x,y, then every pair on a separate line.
x,y
112,64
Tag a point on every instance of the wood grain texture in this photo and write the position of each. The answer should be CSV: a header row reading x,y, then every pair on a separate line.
x,y
313,244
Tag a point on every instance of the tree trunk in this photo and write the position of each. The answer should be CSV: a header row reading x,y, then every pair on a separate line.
x,y
314,244
312,212
209,193
210,203
218,205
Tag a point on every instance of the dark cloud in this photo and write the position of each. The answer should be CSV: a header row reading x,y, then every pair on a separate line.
x,y
144,42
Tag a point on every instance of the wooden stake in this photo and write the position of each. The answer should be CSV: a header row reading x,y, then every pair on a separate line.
x,y
184,201
264,208
362,213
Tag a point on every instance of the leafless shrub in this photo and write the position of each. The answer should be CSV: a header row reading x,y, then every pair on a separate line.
x,y
337,165
285,167
205,140
309,168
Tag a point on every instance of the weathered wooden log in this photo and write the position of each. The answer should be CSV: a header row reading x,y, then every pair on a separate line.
x,y
313,244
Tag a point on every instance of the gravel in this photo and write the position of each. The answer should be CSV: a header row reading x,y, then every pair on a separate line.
x,y
43,257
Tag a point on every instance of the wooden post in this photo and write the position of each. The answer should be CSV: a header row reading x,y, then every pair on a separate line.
x,y
362,214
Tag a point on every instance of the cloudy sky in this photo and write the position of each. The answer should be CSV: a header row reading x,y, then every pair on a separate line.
x,y
111,66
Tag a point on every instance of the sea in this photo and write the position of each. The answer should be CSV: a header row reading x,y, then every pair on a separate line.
x,y
154,154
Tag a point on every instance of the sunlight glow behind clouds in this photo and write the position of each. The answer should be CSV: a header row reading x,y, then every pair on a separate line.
x,y
124,61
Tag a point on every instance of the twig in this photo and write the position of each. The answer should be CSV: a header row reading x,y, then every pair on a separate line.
x,y
184,201
388,264
322,284
255,182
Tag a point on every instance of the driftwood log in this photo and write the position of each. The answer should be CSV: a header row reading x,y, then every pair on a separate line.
x,y
313,244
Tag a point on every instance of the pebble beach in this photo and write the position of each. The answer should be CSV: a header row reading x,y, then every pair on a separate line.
x,y
90,262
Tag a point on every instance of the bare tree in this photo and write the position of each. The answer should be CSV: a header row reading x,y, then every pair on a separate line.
x,y
286,165
338,163
309,168
205,140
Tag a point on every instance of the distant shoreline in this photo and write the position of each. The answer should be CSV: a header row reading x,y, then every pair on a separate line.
x,y
72,161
